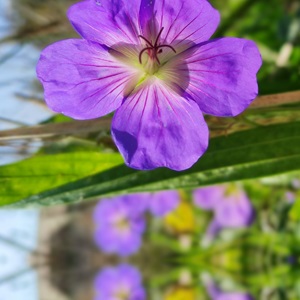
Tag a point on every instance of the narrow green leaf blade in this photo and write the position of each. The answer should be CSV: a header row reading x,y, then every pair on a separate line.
x,y
40,173
259,152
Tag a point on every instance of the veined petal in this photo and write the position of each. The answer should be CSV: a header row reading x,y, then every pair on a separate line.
x,y
194,20
81,79
222,75
147,21
155,127
113,21
106,21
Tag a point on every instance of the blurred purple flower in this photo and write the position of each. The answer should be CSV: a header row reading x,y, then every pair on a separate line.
x,y
209,197
296,183
138,202
151,61
119,283
230,204
162,203
217,294
120,221
290,197
120,224
292,260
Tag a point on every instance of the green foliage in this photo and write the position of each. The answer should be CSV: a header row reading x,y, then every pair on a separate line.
x,y
295,211
263,151
40,173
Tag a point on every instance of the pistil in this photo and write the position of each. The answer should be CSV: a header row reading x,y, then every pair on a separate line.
x,y
154,49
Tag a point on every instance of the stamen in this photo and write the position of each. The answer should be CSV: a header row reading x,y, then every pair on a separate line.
x,y
156,48
159,34
168,46
147,41
141,53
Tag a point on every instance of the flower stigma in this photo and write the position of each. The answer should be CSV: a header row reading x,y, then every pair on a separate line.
x,y
153,50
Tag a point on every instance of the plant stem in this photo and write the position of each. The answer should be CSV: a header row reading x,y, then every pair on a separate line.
x,y
57,129
87,126
276,100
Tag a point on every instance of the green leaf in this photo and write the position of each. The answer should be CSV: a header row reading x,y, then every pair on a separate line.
x,y
247,154
295,210
40,173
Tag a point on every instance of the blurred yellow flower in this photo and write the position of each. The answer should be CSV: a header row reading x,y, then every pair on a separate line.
x,y
182,219
181,293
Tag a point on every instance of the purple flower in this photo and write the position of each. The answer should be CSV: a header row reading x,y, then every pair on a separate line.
x,y
151,61
120,224
162,203
296,183
119,283
209,197
139,202
230,204
217,294
290,197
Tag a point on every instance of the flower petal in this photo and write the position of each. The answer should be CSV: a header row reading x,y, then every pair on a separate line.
x,y
235,210
106,21
147,21
156,127
81,79
208,198
137,204
109,236
109,22
111,241
194,20
163,202
222,75
113,279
